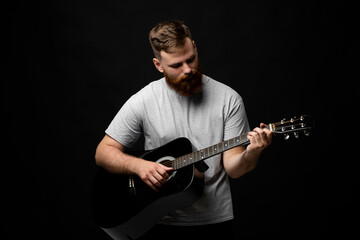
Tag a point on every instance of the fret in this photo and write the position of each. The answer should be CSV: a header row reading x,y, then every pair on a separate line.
x,y
231,143
208,152
237,139
181,162
211,150
221,147
178,163
226,144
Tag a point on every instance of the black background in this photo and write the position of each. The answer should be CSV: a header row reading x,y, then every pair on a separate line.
x,y
74,63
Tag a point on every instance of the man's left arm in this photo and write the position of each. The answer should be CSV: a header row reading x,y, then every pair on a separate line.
x,y
238,161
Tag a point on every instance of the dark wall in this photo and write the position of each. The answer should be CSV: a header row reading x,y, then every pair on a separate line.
x,y
74,63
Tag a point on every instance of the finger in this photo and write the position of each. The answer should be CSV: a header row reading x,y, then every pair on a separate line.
x,y
151,185
260,138
261,134
251,137
163,171
269,134
168,169
258,130
262,125
156,182
256,134
252,133
164,175
159,179
267,131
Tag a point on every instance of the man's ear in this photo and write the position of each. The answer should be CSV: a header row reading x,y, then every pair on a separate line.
x,y
157,65
193,42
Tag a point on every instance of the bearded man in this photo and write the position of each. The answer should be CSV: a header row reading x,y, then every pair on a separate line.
x,y
184,103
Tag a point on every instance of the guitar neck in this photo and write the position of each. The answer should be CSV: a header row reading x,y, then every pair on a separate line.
x,y
209,152
285,127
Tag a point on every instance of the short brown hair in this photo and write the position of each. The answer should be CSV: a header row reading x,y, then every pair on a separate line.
x,y
168,36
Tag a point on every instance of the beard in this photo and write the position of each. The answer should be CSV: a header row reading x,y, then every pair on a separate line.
x,y
188,84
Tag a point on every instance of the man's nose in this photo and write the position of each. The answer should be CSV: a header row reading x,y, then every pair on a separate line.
x,y
186,69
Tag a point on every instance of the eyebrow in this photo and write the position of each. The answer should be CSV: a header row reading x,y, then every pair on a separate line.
x,y
191,58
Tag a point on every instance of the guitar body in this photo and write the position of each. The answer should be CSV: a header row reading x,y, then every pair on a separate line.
x,y
125,207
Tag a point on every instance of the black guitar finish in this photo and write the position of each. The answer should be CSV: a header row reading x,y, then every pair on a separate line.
x,y
125,207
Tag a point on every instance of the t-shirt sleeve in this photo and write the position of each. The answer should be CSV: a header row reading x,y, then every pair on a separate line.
x,y
126,127
236,121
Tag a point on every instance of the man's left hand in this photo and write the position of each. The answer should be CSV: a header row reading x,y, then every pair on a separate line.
x,y
260,138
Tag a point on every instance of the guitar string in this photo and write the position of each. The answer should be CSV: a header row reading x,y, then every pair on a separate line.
x,y
186,156
226,146
170,163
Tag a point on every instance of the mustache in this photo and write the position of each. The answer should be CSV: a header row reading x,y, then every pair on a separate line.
x,y
188,77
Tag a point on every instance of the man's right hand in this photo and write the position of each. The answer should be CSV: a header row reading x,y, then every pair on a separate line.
x,y
110,155
153,174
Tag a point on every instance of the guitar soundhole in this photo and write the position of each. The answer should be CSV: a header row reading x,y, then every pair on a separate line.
x,y
166,161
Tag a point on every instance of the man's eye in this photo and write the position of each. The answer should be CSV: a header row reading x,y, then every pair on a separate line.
x,y
176,66
191,60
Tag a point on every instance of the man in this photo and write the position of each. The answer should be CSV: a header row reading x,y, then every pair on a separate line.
x,y
185,103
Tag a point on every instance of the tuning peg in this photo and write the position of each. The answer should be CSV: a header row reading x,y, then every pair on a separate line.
x,y
296,135
286,136
307,133
283,121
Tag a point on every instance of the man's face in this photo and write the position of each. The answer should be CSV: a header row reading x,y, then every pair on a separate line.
x,y
181,69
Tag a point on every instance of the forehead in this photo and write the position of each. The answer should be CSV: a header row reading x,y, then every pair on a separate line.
x,y
180,54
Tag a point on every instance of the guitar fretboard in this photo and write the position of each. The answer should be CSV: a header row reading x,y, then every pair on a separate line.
x,y
208,152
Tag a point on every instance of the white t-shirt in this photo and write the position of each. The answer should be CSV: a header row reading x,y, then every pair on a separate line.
x,y
207,118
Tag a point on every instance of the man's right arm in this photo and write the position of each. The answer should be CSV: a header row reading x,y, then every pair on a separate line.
x,y
111,156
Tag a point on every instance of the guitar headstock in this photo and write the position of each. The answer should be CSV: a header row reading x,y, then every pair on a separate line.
x,y
294,126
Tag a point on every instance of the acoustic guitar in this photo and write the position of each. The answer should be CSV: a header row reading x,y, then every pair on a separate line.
x,y
126,208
